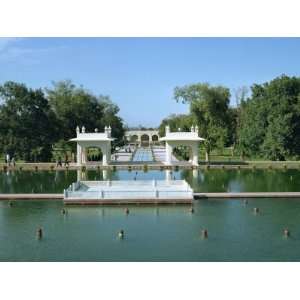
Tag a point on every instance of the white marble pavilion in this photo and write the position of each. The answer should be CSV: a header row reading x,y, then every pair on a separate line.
x,y
180,138
95,139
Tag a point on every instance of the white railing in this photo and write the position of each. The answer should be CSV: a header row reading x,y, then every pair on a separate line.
x,y
134,194
134,183
144,189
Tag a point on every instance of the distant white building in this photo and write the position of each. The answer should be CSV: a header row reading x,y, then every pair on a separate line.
x,y
142,136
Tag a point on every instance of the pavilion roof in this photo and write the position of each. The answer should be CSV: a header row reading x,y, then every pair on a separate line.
x,y
181,136
94,137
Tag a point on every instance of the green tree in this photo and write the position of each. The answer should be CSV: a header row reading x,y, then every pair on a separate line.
x,y
28,126
270,120
209,107
184,122
75,106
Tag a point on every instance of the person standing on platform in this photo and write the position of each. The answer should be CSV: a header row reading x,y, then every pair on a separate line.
x,y
66,160
59,163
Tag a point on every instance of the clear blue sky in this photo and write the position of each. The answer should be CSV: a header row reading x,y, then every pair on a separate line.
x,y
140,73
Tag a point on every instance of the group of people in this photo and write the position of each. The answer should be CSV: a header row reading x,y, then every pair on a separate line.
x,y
59,161
128,149
10,161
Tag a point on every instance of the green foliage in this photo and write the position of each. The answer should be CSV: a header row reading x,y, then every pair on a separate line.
x,y
270,120
28,126
209,107
75,106
184,122
33,124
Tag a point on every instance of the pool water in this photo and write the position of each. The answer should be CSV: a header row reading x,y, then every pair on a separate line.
x,y
153,233
143,155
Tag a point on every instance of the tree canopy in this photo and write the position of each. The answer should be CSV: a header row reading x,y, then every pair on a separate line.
x,y
270,120
209,108
75,106
28,126
184,122
33,121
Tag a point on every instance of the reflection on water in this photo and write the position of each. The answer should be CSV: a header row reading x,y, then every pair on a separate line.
x,y
152,233
200,180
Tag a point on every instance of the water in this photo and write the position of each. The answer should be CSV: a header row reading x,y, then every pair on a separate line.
x,y
143,155
153,233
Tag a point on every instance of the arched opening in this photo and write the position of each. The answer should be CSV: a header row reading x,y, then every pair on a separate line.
x,y
145,140
182,152
94,154
133,139
155,139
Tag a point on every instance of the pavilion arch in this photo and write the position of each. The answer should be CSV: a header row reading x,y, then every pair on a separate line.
x,y
94,153
134,138
183,152
145,139
105,151
154,138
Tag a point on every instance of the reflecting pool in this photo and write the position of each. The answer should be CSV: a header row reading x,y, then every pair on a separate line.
x,y
153,233
143,155
200,180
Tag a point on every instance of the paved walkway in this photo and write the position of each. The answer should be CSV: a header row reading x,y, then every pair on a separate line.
x,y
160,154
248,195
196,195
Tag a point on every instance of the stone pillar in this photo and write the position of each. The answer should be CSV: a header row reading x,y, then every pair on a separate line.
x,y
195,154
83,155
79,155
104,156
79,175
168,153
108,153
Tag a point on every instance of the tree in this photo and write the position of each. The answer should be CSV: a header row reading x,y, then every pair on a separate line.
x,y
209,107
75,106
28,126
270,120
184,122
111,118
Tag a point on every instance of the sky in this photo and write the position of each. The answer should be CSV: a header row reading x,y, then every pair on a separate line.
x,y
140,74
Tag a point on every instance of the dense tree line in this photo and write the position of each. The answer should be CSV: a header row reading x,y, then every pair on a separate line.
x,y
33,122
270,120
264,125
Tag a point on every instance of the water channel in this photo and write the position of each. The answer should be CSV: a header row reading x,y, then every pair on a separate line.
x,y
153,233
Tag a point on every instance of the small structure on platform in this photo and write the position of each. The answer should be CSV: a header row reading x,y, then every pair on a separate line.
x,y
124,192
180,138
95,139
